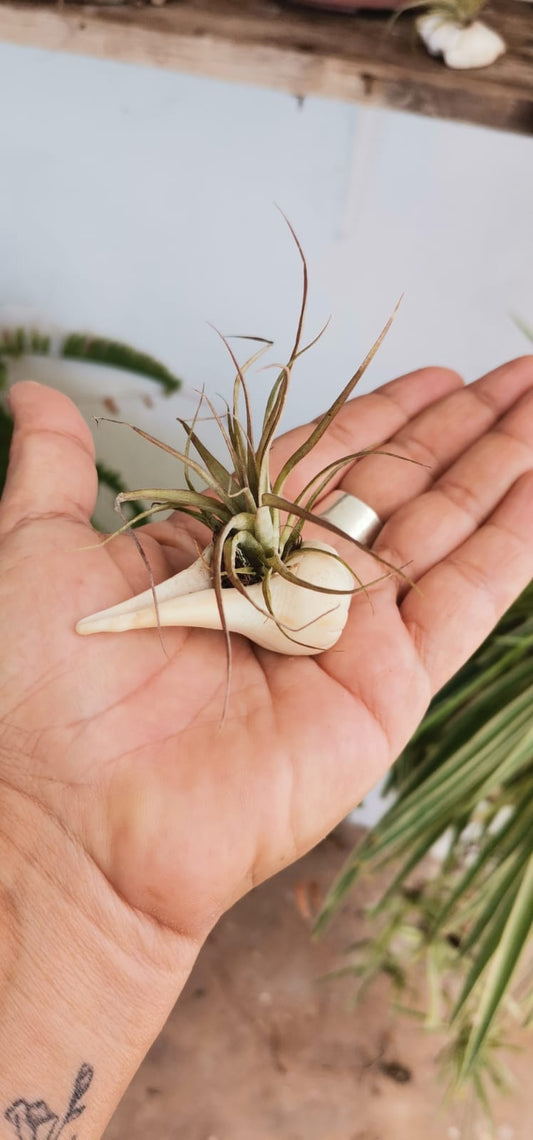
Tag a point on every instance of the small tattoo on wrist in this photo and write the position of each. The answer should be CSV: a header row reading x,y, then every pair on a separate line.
x,y
34,1120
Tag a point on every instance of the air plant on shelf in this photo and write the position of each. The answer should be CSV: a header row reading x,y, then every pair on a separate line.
x,y
451,29
257,576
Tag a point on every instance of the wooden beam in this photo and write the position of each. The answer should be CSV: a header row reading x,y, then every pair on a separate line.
x,y
360,58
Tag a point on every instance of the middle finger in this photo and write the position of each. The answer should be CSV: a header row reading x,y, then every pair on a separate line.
x,y
435,439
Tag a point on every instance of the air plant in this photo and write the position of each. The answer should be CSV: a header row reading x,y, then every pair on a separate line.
x,y
450,28
257,576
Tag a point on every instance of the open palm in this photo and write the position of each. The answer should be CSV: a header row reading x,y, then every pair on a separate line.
x,y
120,738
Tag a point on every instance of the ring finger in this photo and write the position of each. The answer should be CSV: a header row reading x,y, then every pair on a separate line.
x,y
434,439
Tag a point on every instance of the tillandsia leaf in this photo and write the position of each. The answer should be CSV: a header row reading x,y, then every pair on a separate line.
x,y
253,464
197,503
273,397
242,442
270,426
328,417
305,289
267,595
222,429
109,478
219,473
309,496
315,340
188,427
237,522
189,463
279,566
238,443
282,504
240,386
268,610
361,586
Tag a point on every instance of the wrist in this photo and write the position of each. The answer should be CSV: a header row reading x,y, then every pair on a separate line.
x,y
85,982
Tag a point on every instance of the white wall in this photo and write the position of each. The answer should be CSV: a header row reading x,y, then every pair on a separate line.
x,y
140,203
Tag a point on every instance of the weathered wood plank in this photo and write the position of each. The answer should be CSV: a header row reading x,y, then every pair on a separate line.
x,y
360,58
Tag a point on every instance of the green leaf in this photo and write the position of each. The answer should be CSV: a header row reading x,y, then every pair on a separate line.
x,y
494,848
504,962
100,350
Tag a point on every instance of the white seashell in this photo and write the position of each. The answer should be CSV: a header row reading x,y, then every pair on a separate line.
x,y
314,621
462,47
195,577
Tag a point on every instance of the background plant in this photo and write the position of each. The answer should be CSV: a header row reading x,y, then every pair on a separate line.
x,y
465,780
16,343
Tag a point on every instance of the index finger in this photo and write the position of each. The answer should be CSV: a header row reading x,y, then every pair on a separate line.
x,y
363,422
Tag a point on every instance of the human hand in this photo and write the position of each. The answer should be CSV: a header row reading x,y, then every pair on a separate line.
x,y
167,816
132,736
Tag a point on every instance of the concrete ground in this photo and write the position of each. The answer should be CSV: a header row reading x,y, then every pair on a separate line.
x,y
259,1048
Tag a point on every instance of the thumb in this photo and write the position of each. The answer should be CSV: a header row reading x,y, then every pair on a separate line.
x,y
51,470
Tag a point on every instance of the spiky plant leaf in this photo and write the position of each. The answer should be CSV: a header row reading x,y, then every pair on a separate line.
x,y
467,774
503,963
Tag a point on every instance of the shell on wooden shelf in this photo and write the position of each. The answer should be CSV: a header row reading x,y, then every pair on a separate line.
x,y
461,46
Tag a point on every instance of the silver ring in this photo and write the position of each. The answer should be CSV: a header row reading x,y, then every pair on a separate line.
x,y
355,518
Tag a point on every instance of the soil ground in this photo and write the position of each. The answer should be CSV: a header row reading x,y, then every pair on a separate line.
x,y
260,1047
